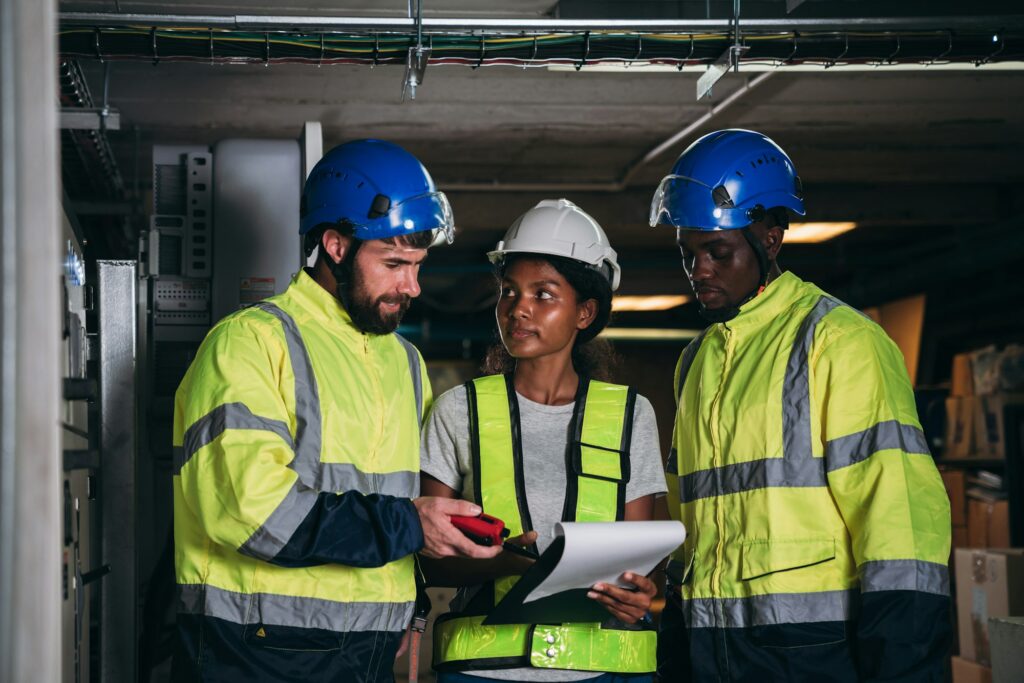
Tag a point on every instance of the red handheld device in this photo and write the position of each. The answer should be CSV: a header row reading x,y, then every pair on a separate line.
x,y
482,530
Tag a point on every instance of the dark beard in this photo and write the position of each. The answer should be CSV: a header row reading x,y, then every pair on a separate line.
x,y
364,311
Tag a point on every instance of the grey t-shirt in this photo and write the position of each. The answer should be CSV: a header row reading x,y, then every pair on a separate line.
x,y
446,456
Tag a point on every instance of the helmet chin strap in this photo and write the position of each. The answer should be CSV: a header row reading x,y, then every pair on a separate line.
x,y
727,313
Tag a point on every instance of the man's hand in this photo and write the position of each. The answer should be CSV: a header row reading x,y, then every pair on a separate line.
x,y
440,537
626,605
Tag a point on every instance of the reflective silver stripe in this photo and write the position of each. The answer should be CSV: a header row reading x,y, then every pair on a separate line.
x,y
227,416
275,532
336,476
796,397
308,423
767,610
747,476
288,610
854,448
904,575
267,541
414,371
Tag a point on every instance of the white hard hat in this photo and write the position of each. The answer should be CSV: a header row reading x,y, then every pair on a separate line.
x,y
560,228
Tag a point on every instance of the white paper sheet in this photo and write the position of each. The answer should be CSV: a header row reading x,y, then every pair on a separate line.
x,y
602,551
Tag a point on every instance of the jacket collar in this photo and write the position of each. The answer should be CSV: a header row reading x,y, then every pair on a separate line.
x,y
319,304
774,301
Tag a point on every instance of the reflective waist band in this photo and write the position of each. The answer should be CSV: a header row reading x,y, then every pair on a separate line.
x,y
464,644
291,610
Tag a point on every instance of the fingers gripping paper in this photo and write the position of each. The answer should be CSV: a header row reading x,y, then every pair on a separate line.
x,y
555,589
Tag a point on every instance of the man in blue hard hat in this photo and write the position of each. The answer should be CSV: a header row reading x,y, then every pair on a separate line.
x,y
296,429
819,529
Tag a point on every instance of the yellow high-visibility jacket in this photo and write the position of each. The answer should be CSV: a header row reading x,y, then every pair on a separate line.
x,y
801,471
297,451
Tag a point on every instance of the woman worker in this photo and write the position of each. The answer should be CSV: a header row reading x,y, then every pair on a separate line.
x,y
544,438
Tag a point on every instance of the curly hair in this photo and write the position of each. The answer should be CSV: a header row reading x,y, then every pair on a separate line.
x,y
591,356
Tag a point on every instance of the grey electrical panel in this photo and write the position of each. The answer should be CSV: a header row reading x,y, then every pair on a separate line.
x,y
258,185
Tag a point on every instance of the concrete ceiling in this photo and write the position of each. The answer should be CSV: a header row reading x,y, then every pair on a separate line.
x,y
925,160
508,125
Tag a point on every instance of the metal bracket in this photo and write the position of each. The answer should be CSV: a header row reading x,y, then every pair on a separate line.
x,y
728,60
415,69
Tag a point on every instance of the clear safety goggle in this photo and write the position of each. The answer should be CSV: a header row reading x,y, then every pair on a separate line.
x,y
428,211
686,202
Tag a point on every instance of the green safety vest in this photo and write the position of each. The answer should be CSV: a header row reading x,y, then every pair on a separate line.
x,y
596,474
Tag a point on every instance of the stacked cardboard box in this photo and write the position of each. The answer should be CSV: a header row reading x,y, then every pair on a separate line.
x,y
982,384
989,583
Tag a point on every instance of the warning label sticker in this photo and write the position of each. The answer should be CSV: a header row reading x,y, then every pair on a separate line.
x,y
254,289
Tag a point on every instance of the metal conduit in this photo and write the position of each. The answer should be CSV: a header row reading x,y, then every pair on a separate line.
x,y
527,26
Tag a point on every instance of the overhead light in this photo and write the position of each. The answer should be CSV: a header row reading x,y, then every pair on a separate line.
x,y
648,334
657,302
812,233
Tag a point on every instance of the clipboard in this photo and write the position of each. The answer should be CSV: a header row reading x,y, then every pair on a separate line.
x,y
542,596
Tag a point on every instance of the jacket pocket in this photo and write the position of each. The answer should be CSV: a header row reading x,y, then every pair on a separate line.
x,y
781,554
291,639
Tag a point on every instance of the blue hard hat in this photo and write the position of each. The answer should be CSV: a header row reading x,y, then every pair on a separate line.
x,y
725,181
376,187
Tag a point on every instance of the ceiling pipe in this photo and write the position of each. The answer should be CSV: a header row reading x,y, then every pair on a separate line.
x,y
630,173
442,25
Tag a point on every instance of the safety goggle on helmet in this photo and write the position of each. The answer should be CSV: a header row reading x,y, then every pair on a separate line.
x,y
725,181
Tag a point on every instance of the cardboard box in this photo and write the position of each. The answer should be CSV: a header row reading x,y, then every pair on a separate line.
x,y
988,524
965,671
960,431
955,482
989,583
989,430
962,378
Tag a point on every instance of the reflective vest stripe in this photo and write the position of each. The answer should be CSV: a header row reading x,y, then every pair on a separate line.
x,y
890,435
596,473
227,416
796,397
769,610
904,575
500,484
308,422
580,647
600,453
291,610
